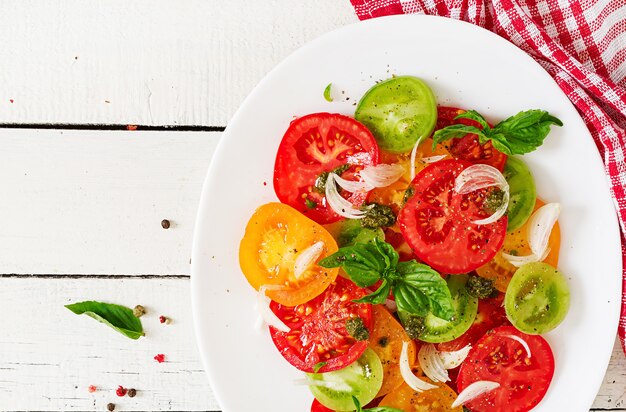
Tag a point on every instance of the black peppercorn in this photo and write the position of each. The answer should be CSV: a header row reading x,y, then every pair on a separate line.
x,y
165,224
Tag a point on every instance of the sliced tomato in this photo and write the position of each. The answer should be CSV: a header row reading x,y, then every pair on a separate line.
x,y
275,236
523,379
394,194
386,340
318,328
316,406
468,147
437,221
439,399
501,270
490,315
318,143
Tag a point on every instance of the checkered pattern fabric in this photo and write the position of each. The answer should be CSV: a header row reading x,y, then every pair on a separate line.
x,y
581,43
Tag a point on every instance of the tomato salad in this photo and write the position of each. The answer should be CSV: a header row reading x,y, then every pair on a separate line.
x,y
409,264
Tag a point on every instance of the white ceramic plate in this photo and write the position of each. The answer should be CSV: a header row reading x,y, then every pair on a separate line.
x,y
467,67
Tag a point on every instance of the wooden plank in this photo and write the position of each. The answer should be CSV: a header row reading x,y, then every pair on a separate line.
x,y
152,62
612,394
51,356
91,202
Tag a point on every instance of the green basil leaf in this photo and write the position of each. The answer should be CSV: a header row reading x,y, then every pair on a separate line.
x,y
417,277
475,116
382,409
523,132
455,131
379,296
362,275
363,253
327,95
385,249
357,404
410,300
118,317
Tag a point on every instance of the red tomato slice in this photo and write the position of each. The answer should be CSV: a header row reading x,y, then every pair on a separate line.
x,y
468,147
523,381
437,221
490,315
318,143
318,407
318,328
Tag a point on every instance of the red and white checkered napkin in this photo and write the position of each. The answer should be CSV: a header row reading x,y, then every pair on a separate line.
x,y
581,43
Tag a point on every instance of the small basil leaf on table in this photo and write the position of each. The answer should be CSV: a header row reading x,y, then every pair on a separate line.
x,y
117,317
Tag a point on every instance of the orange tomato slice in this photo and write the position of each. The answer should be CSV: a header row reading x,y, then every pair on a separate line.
x,y
275,235
386,340
433,400
501,271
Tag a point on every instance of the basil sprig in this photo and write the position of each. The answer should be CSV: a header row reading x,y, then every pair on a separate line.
x,y
117,317
417,288
516,135
359,408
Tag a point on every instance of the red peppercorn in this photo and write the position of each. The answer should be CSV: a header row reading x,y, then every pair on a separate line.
x,y
92,388
162,319
121,391
160,358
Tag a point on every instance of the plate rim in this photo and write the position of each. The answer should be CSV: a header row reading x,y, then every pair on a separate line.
x,y
200,216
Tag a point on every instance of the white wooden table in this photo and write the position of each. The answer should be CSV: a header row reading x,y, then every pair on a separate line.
x,y
83,198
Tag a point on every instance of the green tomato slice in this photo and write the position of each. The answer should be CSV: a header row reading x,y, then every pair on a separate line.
x,y
522,192
361,379
398,112
537,298
437,330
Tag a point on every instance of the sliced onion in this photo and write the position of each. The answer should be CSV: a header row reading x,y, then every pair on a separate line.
x,y
306,258
263,305
453,359
433,159
481,176
473,391
523,342
540,227
405,370
519,261
337,203
414,155
382,175
431,363
352,186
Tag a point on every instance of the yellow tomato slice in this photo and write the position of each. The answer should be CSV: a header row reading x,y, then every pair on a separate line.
x,y
386,340
433,400
516,243
275,235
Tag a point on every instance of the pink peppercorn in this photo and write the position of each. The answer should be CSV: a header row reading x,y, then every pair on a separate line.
x,y
160,358
92,388
121,391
